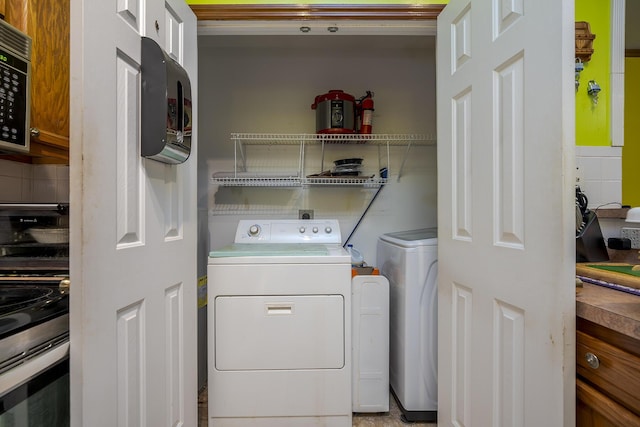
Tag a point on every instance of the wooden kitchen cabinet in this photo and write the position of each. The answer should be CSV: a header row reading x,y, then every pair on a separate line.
x,y
316,11
47,23
608,377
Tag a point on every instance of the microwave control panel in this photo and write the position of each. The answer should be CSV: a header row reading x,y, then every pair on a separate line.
x,y
14,102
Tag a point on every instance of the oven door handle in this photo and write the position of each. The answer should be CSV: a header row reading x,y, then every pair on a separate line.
x,y
32,367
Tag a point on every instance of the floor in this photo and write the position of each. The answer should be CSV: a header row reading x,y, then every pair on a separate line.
x,y
388,419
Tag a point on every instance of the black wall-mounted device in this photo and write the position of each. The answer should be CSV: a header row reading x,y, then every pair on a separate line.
x,y
166,117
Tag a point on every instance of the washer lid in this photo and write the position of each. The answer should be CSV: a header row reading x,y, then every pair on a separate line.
x,y
279,253
413,238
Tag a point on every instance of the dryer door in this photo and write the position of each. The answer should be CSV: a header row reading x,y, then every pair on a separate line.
x,y
279,332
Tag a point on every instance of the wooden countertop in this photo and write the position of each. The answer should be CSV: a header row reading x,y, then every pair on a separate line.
x,y
616,213
613,309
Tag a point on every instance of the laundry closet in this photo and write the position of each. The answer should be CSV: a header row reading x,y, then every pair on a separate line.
x,y
257,153
256,84
264,81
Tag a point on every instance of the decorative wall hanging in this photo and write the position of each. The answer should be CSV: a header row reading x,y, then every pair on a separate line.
x,y
584,41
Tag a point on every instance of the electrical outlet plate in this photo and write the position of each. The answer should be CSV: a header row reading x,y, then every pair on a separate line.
x,y
305,214
579,178
632,234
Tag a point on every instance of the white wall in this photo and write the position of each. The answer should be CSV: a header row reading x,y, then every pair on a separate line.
x,y
24,182
599,175
266,84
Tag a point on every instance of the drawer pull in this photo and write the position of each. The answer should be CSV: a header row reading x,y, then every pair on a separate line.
x,y
592,360
279,309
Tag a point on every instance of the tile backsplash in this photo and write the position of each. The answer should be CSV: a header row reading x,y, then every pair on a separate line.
x,y
23,182
599,174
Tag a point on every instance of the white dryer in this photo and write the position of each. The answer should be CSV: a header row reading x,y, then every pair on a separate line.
x,y
279,317
409,260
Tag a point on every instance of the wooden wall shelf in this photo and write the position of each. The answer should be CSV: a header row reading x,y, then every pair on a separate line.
x,y
249,12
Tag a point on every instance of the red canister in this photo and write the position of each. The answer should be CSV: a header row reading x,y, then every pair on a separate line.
x,y
335,112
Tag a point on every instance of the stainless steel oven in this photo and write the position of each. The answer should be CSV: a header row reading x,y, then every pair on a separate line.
x,y
34,317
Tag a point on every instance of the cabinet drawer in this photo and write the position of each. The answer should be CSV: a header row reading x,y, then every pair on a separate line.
x,y
594,409
614,371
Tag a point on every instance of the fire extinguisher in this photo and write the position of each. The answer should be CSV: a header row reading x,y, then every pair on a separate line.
x,y
365,110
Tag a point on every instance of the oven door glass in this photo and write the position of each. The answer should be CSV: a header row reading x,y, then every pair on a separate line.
x,y
41,401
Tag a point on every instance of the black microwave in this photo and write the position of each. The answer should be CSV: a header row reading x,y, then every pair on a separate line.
x,y
15,89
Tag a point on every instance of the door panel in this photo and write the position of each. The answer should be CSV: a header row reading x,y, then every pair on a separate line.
x,y
506,244
508,152
133,231
129,176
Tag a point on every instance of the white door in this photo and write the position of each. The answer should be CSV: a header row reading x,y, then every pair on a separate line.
x,y
133,226
506,307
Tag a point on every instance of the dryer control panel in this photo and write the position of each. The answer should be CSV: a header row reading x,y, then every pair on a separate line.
x,y
318,231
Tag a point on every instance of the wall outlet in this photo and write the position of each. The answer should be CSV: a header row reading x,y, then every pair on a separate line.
x,y
579,177
305,214
632,234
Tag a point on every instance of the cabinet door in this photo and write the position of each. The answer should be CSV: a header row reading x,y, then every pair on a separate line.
x,y
47,23
594,409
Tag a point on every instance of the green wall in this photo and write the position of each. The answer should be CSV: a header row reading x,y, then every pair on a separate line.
x,y
593,121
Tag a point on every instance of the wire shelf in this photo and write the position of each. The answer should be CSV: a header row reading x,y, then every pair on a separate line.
x,y
268,181
242,209
241,177
254,180
346,181
312,138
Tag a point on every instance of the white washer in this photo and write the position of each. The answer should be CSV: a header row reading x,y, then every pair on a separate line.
x,y
409,260
279,319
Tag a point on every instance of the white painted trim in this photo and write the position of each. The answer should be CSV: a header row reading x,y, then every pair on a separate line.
x,y
616,97
347,27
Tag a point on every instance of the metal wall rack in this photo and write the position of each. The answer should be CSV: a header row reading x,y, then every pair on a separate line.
x,y
242,177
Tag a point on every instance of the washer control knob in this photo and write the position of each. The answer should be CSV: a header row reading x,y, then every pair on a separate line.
x,y
315,230
302,230
254,230
328,230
